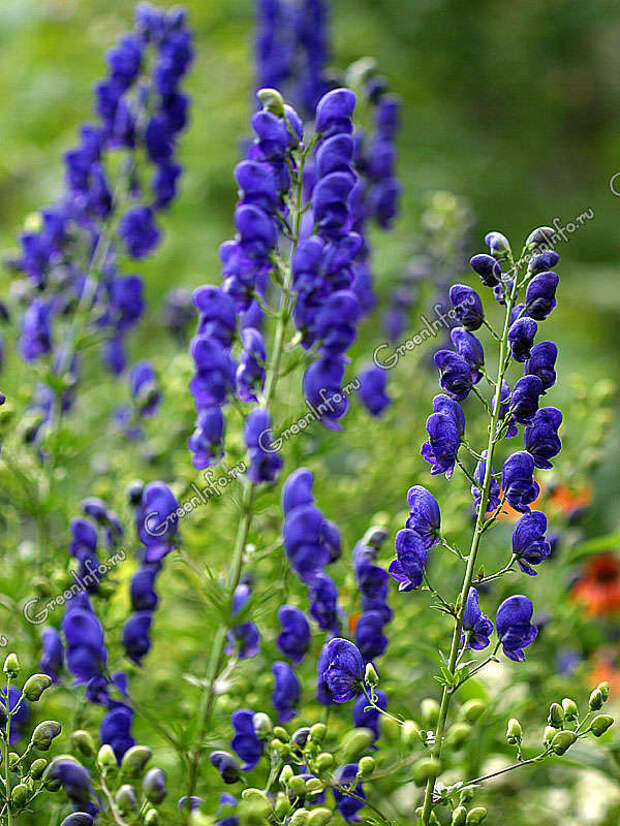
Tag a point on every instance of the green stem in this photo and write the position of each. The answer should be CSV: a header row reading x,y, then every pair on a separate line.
x,y
473,553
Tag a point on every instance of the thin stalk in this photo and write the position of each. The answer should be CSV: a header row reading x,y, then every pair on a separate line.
x,y
473,553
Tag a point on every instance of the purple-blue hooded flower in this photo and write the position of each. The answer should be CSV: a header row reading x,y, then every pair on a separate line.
x,y
294,639
478,626
265,464
372,390
341,669
469,348
370,718
286,693
521,338
454,374
518,483
529,542
494,490
467,306
487,268
139,232
52,655
514,628
348,807
369,635
540,295
245,743
251,369
424,516
157,521
524,400
136,639
445,428
408,567
227,766
541,363
334,112
324,602
297,490
541,436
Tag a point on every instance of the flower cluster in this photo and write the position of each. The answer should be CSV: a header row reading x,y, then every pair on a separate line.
x,y
71,251
373,585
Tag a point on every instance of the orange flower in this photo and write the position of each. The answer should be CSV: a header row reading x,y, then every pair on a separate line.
x,y
353,620
605,669
599,588
567,500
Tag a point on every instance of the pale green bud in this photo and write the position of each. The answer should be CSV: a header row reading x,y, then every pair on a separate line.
x,y
458,734
255,794
410,733
569,706
13,759
562,741
424,769
314,785
106,760
299,818
472,710
430,711
318,732
20,795
596,700
371,677
272,101
286,775
600,724
37,768
281,806
262,725
324,761
514,732
297,786
458,816
44,733
475,816
549,734
556,715
355,743
366,766
319,817
152,818
11,666
281,733
604,689
125,799
35,686
134,761
83,742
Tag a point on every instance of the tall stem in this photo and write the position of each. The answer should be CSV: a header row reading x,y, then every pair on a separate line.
x,y
271,380
446,696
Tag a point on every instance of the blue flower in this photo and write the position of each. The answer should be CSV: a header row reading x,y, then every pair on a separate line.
x,y
544,261
341,670
487,268
52,656
285,697
541,436
494,490
348,807
228,767
85,644
323,390
454,374
324,602
467,306
445,428
371,718
469,348
297,490
264,465
215,372
334,112
529,543
218,318
424,516
18,705
475,623
521,338
226,802
157,520
245,742
243,639
251,370
369,635
144,388
408,567
514,628
75,781
524,400
115,729
541,363
373,381
207,441
518,484
294,639
138,230
136,640
540,295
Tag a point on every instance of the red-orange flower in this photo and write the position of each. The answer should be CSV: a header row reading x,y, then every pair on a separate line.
x,y
599,588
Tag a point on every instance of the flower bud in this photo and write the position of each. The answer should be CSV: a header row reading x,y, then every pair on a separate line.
x,y
375,536
410,733
569,706
20,795
514,732
430,711
562,741
281,806
125,799
106,759
458,816
314,785
424,769
604,689
556,715
371,677
35,686
457,735
152,818
11,666
286,775
281,733
297,786
472,710
83,742
355,743
262,725
280,748
318,732
476,815
13,759
319,817
37,768
272,101
324,761
549,734
300,737
79,819
255,794
497,243
154,786
596,700
134,761
538,236
44,733
600,724
466,795
299,818
366,766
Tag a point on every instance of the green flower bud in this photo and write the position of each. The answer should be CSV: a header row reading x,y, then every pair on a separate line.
x,y
355,743
410,733
514,732
255,794
13,759
466,795
281,806
549,734
154,786
314,785
280,748
319,817
134,761
424,769
106,759
458,816
430,711
35,686
20,795
300,737
472,710
318,732
604,689
11,666
562,741
37,769
281,733
371,677
600,724
286,775
152,818
324,761
297,786
272,101
569,706
366,766
556,715
476,815
457,735
126,800
262,725
44,733
538,236
299,818
83,742
596,700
